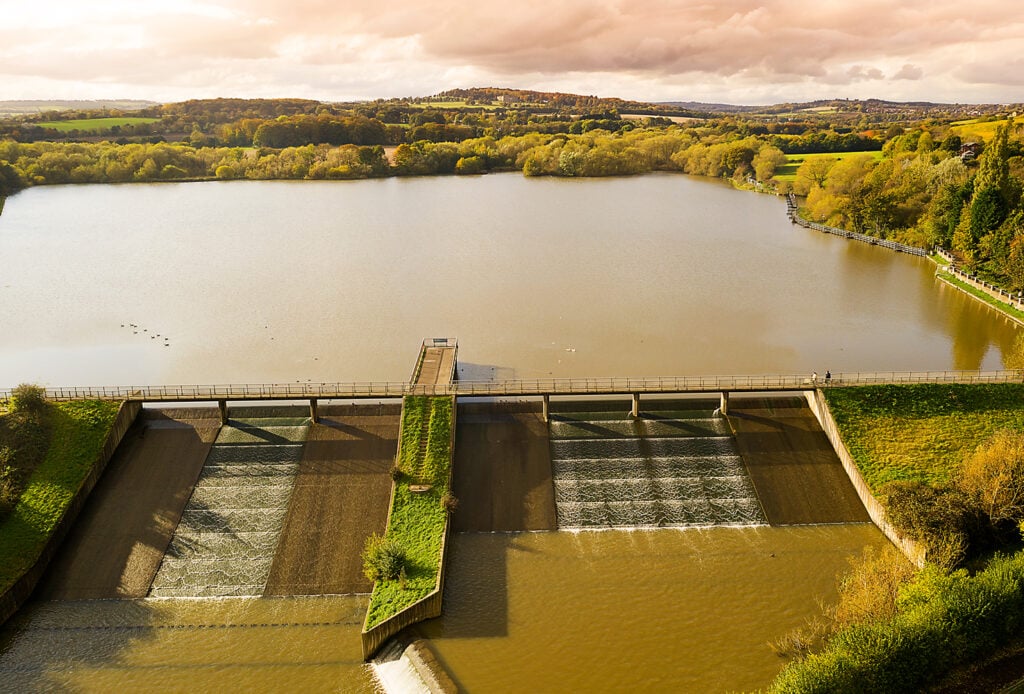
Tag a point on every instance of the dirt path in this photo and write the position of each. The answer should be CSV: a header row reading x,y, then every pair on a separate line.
x,y
340,497
502,470
795,471
119,540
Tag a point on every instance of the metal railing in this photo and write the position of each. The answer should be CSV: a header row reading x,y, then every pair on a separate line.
x,y
794,214
1014,300
533,387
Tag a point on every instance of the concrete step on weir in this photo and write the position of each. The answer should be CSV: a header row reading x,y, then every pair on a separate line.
x,y
224,544
663,472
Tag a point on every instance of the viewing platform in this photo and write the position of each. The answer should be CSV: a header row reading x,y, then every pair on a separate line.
x,y
436,363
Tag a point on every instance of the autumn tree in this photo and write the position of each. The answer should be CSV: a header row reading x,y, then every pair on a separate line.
x,y
994,476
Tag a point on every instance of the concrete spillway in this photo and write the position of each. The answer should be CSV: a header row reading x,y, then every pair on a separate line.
x,y
664,472
225,542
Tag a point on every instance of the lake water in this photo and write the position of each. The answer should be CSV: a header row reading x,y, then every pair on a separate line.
x,y
257,282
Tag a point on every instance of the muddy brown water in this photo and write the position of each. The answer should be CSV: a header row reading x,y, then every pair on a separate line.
x,y
278,281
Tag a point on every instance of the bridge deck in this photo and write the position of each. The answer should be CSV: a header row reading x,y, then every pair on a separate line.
x,y
539,387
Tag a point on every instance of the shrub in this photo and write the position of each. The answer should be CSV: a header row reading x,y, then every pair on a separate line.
x,y
993,476
449,502
28,398
871,590
944,519
942,620
383,558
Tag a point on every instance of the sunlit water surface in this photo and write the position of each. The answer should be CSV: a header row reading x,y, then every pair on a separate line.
x,y
260,282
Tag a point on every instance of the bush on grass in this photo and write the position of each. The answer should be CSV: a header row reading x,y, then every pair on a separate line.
x,y
383,558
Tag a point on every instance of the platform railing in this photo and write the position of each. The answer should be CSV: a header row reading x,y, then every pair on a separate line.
x,y
523,387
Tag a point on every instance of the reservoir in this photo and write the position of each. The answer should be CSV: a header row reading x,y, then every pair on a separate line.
x,y
260,282
250,282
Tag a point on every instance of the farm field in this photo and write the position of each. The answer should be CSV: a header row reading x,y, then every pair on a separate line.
x,y
96,124
788,171
974,128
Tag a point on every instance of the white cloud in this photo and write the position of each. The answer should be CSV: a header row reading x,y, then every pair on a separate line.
x,y
729,50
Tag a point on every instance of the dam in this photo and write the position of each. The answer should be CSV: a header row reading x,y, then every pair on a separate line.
x,y
207,546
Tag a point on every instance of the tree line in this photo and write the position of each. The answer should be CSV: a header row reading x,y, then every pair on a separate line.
x,y
927,193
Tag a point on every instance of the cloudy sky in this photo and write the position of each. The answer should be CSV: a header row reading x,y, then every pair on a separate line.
x,y
735,51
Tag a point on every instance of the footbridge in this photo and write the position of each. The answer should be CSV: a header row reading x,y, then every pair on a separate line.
x,y
544,388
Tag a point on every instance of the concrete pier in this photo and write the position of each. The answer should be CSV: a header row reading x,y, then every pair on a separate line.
x,y
724,406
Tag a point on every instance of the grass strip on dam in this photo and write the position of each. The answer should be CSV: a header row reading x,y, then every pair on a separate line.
x,y
921,432
78,431
418,506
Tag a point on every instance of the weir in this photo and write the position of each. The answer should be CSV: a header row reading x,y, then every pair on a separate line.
x,y
229,530
678,468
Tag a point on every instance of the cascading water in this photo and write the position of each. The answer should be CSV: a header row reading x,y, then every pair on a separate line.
x,y
665,471
225,542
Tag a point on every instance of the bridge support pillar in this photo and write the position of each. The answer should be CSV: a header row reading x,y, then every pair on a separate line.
x,y
222,405
636,405
314,416
724,406
546,407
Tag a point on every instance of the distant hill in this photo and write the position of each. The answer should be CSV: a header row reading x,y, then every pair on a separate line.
x,y
558,101
21,108
914,109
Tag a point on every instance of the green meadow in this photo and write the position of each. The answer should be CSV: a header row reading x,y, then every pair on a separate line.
x,y
95,124
787,172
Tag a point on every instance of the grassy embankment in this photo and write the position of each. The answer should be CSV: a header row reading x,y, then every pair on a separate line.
x,y
54,454
418,518
940,620
921,432
787,172
979,294
95,124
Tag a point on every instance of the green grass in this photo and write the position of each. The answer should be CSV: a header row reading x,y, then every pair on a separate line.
x,y
79,430
787,172
975,128
984,296
417,519
921,432
95,124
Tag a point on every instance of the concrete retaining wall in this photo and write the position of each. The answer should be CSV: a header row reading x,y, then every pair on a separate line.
x,y
1001,295
913,551
15,596
429,606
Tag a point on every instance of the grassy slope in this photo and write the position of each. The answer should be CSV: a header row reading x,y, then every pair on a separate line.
x,y
417,518
971,129
921,432
788,171
94,124
79,432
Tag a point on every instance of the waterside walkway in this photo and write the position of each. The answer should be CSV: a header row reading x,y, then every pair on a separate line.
x,y
528,387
